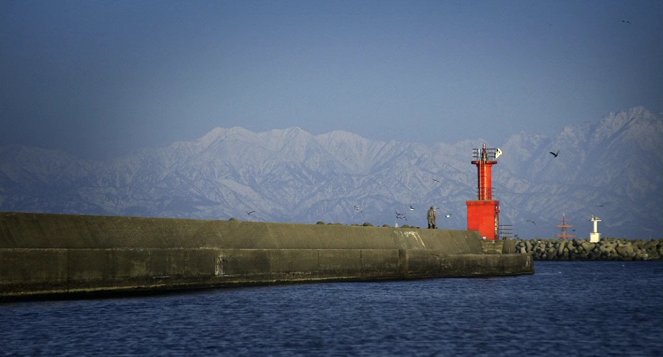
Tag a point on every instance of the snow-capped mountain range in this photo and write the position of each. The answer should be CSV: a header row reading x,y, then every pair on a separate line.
x,y
612,168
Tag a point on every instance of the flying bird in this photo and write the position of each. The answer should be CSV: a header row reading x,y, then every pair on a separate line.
x,y
626,22
532,222
250,212
554,153
448,215
357,208
436,180
400,216
411,208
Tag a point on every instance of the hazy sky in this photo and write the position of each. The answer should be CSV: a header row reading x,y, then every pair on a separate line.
x,y
101,78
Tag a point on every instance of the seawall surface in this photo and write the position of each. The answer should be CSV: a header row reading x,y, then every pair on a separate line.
x,y
52,254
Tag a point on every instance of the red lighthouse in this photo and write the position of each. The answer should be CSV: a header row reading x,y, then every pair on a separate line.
x,y
483,214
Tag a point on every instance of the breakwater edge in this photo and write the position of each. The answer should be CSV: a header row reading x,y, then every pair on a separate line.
x,y
606,249
46,255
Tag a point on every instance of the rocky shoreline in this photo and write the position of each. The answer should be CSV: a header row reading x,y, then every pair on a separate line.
x,y
606,249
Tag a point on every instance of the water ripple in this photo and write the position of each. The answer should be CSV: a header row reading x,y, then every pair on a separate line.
x,y
574,308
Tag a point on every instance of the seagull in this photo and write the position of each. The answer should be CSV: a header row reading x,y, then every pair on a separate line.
x,y
530,221
400,216
357,208
250,212
448,215
626,22
554,153
436,180
411,208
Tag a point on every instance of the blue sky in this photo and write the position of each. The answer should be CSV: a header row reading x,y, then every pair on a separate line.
x,y
103,78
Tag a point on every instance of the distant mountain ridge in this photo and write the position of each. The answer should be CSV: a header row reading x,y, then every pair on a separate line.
x,y
610,167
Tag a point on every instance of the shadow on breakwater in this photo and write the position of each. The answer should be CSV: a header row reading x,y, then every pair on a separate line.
x,y
606,249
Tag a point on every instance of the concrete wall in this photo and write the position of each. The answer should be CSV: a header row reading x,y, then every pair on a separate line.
x,y
45,254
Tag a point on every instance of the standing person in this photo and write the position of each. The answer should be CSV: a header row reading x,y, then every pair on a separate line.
x,y
431,217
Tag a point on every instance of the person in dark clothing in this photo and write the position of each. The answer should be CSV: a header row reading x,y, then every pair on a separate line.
x,y
431,217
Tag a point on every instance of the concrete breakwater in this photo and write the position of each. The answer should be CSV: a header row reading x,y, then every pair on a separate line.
x,y
50,254
606,249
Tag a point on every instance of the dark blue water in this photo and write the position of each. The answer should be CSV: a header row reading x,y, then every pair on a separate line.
x,y
566,308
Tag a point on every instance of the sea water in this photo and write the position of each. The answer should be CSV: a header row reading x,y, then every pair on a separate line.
x,y
565,308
